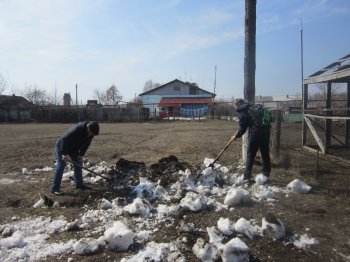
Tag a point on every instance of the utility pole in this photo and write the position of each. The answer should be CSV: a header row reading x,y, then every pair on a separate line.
x,y
250,51
76,94
249,62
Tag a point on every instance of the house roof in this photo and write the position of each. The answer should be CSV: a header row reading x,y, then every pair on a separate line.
x,y
176,80
338,71
14,101
178,101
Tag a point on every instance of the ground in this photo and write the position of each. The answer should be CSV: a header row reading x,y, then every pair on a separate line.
x,y
323,213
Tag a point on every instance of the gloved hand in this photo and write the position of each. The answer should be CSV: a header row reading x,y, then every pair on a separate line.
x,y
66,158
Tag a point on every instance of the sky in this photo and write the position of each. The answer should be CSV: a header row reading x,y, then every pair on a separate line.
x,y
151,208
54,45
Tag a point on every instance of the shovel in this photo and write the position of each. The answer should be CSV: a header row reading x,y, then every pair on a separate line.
x,y
93,172
222,151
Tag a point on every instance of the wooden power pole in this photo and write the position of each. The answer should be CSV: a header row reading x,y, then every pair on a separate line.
x,y
250,51
249,62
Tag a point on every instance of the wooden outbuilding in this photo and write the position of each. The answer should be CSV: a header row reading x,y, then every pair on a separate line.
x,y
14,108
330,123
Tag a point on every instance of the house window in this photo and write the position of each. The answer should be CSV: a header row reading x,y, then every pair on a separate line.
x,y
177,88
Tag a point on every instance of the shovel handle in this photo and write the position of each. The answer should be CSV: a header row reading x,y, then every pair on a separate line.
x,y
222,151
87,169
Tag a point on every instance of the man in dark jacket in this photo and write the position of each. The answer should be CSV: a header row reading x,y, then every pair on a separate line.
x,y
259,138
71,147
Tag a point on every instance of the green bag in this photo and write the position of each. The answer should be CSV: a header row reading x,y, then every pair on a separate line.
x,y
260,115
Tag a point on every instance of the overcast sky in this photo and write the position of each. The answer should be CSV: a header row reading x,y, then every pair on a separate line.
x,y
56,44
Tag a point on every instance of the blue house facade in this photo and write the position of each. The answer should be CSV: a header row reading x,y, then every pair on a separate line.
x,y
177,98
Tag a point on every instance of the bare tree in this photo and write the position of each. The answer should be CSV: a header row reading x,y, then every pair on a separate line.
x,y
109,97
36,95
338,95
113,95
100,96
53,98
136,101
149,84
3,84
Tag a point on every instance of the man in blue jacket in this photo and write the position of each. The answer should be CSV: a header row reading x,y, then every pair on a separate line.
x,y
259,138
71,147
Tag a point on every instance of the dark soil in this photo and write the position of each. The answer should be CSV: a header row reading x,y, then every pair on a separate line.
x,y
157,151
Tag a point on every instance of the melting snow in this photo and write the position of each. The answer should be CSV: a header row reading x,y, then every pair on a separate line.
x,y
28,239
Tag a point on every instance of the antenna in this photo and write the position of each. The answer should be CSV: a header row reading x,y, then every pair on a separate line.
x,y
302,55
215,80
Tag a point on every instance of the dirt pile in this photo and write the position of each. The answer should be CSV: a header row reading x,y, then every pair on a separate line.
x,y
166,171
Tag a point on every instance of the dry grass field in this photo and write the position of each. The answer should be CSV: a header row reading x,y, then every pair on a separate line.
x,y
324,213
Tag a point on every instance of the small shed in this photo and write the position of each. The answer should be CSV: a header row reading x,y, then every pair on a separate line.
x,y
14,108
329,125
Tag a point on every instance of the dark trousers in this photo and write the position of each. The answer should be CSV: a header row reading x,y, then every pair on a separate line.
x,y
258,141
60,166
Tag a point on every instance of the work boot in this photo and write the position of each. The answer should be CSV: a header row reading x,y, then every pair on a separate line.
x,y
56,192
248,180
82,187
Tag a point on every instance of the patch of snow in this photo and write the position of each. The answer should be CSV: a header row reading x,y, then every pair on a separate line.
x,y
138,207
260,179
235,251
119,237
225,226
205,251
193,202
303,241
299,187
237,196
86,246
272,230
157,252
244,227
7,181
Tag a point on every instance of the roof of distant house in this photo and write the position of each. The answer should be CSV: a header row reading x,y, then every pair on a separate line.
x,y
18,101
176,80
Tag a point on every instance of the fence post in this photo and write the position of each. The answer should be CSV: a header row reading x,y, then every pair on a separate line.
x,y
277,135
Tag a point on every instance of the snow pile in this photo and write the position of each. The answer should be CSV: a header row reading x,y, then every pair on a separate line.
x,y
193,202
205,251
119,237
235,250
260,179
86,246
272,228
299,187
149,206
263,193
26,240
303,241
237,196
225,226
157,252
138,207
244,227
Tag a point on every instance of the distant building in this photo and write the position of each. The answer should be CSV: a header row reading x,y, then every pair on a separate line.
x,y
15,108
66,99
91,103
279,102
177,98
